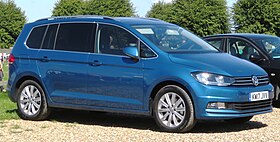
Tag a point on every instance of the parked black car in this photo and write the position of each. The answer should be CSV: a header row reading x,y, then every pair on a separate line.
x,y
261,49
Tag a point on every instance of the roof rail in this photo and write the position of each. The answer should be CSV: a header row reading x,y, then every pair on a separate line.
x,y
76,16
155,19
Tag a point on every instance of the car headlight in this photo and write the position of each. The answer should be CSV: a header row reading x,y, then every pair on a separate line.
x,y
213,79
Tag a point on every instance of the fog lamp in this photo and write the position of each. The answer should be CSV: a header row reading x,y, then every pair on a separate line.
x,y
216,105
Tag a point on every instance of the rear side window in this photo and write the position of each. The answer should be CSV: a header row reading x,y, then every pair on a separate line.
x,y
74,37
36,36
50,37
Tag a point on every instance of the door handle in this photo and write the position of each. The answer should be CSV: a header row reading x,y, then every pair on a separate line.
x,y
45,59
95,63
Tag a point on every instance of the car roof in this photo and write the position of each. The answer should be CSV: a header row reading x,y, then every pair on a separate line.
x,y
126,20
140,21
244,35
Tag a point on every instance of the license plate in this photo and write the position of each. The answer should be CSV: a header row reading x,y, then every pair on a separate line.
x,y
258,96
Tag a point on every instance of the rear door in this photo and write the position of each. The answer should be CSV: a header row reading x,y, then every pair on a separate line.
x,y
62,61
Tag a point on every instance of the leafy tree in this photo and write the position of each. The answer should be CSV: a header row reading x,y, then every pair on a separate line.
x,y
114,8
257,16
160,10
203,17
12,20
68,8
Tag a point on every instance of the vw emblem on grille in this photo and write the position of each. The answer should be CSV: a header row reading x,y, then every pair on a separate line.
x,y
255,80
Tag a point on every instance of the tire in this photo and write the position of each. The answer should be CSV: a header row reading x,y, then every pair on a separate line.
x,y
240,120
276,99
177,113
31,101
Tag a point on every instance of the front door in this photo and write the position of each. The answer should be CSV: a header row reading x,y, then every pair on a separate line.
x,y
244,49
115,80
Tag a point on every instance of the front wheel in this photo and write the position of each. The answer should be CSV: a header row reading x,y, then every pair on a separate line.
x,y
276,99
31,101
173,109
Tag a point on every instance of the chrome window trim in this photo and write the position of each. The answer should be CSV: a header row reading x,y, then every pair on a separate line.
x,y
58,24
27,37
95,42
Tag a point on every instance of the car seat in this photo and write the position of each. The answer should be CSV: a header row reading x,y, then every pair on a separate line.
x,y
247,51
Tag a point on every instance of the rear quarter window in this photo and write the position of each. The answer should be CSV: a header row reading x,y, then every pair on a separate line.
x,y
35,38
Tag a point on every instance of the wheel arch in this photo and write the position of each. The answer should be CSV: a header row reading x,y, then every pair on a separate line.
x,y
160,85
25,77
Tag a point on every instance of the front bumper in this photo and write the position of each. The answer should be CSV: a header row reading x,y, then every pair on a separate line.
x,y
203,94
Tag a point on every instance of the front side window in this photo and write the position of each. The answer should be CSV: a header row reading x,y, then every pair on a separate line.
x,y
74,37
35,38
271,45
241,48
171,38
146,52
112,40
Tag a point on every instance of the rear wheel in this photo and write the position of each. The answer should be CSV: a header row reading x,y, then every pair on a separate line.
x,y
239,120
173,109
31,101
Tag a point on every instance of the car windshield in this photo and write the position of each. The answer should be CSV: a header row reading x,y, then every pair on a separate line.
x,y
171,38
271,45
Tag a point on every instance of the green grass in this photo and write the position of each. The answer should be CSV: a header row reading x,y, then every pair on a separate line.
x,y
7,107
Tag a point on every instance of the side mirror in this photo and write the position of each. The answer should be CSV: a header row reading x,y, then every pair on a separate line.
x,y
256,58
131,52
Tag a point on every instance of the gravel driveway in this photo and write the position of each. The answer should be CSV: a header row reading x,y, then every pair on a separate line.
x,y
90,126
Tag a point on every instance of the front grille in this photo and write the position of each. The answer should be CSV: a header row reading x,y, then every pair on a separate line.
x,y
250,105
247,81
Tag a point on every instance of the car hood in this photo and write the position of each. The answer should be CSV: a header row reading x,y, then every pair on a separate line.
x,y
219,63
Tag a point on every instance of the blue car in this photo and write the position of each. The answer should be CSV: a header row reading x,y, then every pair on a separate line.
x,y
135,66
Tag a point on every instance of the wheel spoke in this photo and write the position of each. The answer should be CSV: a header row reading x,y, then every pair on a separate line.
x,y
36,105
35,94
180,109
163,103
37,100
27,91
175,120
29,110
32,91
24,94
169,119
23,101
161,110
168,100
179,115
25,106
33,108
178,102
173,97
165,116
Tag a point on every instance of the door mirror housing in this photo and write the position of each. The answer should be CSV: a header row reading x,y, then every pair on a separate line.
x,y
131,52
